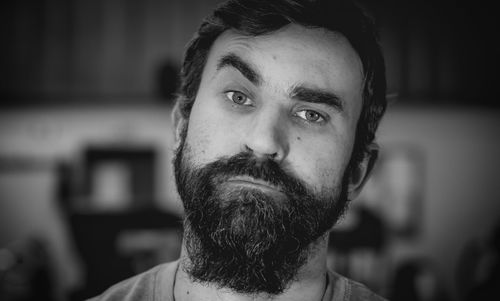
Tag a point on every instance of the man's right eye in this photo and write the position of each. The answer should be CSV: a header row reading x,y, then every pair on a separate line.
x,y
239,98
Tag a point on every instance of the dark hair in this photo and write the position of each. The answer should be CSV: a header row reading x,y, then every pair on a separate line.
x,y
258,17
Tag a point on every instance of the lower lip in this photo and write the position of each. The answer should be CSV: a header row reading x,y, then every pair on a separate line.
x,y
254,185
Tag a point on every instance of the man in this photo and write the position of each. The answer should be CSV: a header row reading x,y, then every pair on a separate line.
x,y
275,127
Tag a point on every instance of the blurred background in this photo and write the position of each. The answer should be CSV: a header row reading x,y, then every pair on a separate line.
x,y
86,191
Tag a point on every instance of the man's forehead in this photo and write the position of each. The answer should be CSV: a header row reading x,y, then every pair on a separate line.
x,y
315,45
292,36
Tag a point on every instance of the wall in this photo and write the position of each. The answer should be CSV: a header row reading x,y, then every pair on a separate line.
x,y
61,133
461,190
37,139
59,50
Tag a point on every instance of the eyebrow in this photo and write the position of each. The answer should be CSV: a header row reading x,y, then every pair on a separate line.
x,y
306,94
232,60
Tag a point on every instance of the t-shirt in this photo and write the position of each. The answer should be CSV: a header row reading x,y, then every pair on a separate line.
x,y
157,285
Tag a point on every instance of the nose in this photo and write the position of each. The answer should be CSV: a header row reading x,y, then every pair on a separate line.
x,y
266,137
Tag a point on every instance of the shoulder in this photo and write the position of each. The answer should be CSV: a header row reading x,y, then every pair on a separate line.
x,y
359,292
346,289
144,286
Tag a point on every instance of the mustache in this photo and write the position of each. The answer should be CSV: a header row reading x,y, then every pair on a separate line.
x,y
246,164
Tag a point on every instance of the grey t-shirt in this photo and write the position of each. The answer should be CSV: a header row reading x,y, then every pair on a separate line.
x,y
157,285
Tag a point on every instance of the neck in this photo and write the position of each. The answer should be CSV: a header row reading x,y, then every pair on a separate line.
x,y
310,283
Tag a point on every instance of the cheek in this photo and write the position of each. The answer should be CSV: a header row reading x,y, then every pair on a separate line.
x,y
208,136
321,165
200,140
328,172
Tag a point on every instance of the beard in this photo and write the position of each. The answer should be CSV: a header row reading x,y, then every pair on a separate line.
x,y
246,239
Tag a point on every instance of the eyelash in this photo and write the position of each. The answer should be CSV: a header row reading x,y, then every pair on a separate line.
x,y
302,114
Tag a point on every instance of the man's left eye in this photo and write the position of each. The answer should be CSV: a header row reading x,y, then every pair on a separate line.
x,y
238,98
310,116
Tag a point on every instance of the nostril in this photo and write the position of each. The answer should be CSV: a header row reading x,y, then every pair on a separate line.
x,y
248,149
272,156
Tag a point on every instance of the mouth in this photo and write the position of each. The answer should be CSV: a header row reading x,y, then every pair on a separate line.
x,y
249,182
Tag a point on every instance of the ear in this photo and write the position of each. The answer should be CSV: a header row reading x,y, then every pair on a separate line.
x,y
179,123
361,173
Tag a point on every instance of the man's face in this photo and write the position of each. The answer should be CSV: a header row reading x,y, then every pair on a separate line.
x,y
262,161
290,110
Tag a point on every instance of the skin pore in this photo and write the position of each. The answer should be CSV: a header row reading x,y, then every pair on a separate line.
x,y
295,96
